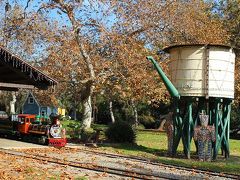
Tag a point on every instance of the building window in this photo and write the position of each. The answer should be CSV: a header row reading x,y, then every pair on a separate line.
x,y
43,113
30,100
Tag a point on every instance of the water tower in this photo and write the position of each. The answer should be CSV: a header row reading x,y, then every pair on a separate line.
x,y
203,76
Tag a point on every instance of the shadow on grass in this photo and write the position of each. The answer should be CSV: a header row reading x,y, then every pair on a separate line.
x,y
140,149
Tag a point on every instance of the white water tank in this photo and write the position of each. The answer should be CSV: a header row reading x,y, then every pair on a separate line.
x,y
202,70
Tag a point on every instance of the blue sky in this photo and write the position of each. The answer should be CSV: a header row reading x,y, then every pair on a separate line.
x,y
56,15
63,21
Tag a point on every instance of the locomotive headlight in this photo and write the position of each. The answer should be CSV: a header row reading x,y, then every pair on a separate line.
x,y
55,131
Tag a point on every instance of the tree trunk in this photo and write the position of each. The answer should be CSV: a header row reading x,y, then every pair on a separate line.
x,y
162,124
87,106
87,113
135,114
94,110
12,104
74,113
111,112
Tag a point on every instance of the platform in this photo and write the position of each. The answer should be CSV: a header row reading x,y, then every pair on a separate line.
x,y
13,144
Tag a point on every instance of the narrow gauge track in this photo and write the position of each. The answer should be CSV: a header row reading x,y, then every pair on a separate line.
x,y
88,166
138,159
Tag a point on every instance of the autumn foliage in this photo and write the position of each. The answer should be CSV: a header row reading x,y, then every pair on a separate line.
x,y
99,48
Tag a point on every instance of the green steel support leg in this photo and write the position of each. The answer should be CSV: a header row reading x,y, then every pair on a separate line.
x,y
222,128
177,124
224,137
228,128
187,129
215,118
222,122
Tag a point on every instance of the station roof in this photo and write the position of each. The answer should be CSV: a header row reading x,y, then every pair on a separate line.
x,y
16,73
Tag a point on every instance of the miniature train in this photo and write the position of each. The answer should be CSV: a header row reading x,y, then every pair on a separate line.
x,y
29,128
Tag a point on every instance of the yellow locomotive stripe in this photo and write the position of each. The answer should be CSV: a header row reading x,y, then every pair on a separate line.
x,y
36,132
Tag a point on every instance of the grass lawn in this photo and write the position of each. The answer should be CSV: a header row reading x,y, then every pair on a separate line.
x,y
153,145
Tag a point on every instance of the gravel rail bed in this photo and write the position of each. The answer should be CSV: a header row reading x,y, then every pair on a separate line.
x,y
88,166
148,161
82,157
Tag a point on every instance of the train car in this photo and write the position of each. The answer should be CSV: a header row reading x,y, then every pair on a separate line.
x,y
30,129
8,127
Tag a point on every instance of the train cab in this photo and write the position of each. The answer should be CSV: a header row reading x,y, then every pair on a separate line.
x,y
24,122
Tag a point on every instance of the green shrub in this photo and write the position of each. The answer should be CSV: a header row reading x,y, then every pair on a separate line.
x,y
84,135
235,117
65,118
121,132
87,134
74,125
140,126
74,130
147,121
